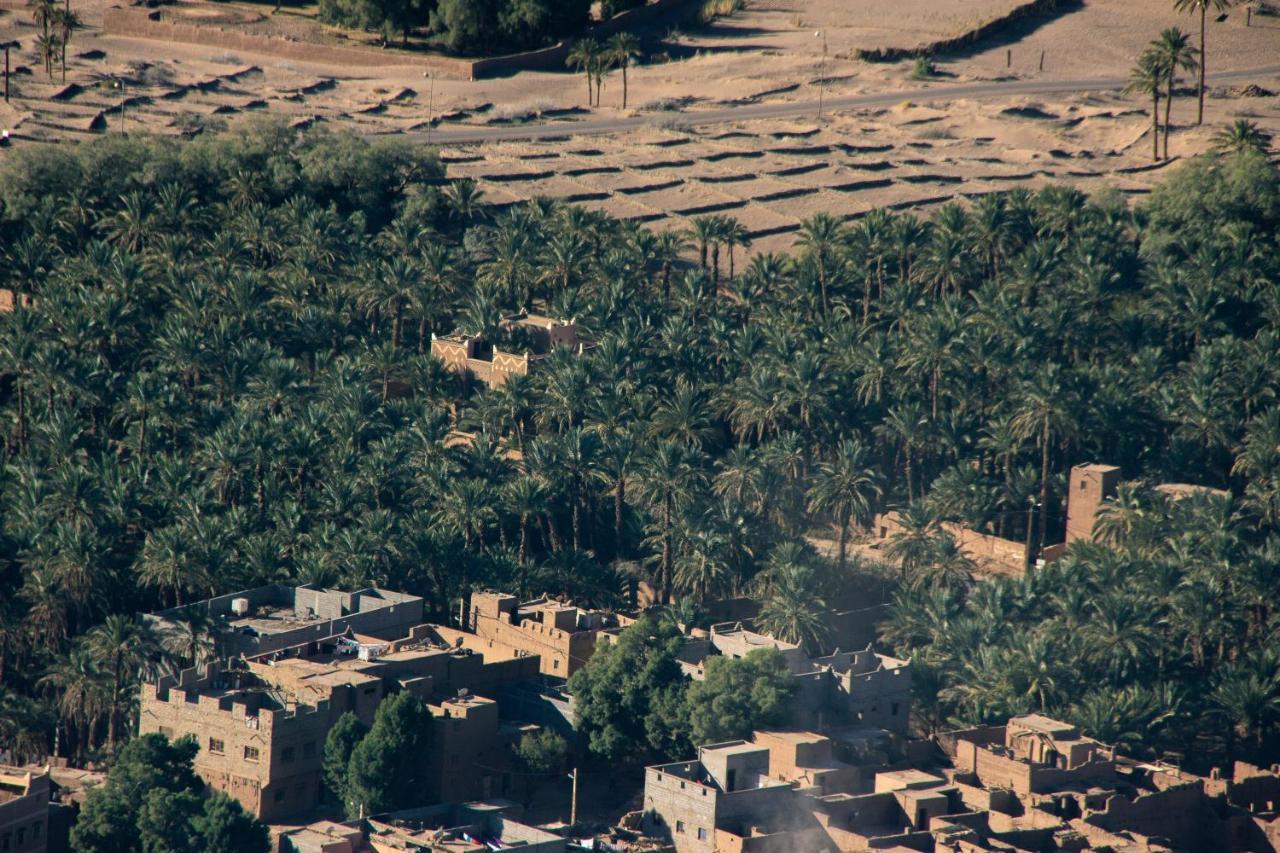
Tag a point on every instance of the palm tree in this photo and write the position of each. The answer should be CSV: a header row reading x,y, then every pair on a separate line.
x,y
66,22
793,610
1176,53
845,486
666,250
81,690
193,638
47,45
127,648
464,198
667,480
1146,78
705,232
1240,136
1202,6
821,235
622,48
1047,413
1249,701
734,236
585,56
916,541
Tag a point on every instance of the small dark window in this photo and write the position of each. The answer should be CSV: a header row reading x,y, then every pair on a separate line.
x,y
216,745
35,830
893,709
5,841
280,795
22,836
369,691
309,749
702,834
679,826
286,754
250,753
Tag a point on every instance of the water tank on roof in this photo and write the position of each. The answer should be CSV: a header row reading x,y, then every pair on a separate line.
x,y
240,606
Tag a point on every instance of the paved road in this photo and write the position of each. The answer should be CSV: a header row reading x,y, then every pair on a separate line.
x,y
798,109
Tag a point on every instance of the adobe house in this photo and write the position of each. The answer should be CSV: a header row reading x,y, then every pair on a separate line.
x,y
24,809
563,636
261,723
475,359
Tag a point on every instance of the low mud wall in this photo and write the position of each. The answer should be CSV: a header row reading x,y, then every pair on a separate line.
x,y
966,39
553,58
139,23
147,24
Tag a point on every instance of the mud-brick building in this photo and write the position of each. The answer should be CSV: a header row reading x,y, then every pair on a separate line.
x,y
24,809
860,687
563,636
479,360
261,723
258,745
276,616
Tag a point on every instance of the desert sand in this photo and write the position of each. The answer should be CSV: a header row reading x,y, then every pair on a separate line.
x,y
768,174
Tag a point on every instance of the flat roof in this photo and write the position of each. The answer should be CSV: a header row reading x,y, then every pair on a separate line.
x,y
733,748
791,736
911,776
1043,724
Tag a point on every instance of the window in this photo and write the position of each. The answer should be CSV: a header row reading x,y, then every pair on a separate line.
x,y
555,664
35,830
216,745
280,796
22,836
309,749
893,708
702,834
250,753
369,691
679,826
5,841
286,754
681,785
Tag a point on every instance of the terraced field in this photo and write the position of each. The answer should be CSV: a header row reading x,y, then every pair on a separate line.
x,y
771,178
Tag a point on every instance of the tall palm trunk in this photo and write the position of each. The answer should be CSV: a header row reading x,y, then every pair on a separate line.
x,y
1044,480
115,703
1204,11
845,519
1168,108
1155,124
619,503
665,581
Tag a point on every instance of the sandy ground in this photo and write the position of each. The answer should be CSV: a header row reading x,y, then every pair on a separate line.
x,y
768,174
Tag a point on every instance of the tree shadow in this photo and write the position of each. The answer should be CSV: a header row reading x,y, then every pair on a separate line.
x,y
1015,31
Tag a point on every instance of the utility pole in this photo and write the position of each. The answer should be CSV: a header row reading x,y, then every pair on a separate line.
x,y
573,801
120,85
822,71
431,104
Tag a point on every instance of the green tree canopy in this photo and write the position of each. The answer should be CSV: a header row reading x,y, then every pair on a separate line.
x,y
738,696
387,770
629,698
151,803
341,741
